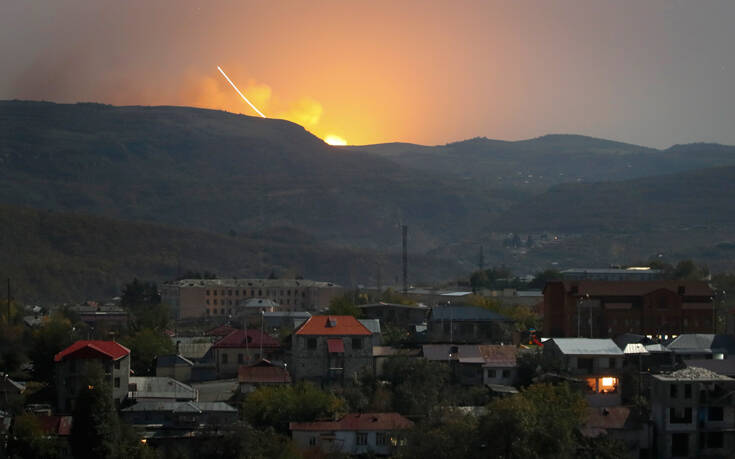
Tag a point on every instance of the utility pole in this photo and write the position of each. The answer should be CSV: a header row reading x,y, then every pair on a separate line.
x,y
405,259
8,301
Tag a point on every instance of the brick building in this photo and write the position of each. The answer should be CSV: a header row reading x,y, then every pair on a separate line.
x,y
601,309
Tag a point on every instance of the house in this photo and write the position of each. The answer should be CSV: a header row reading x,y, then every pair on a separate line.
x,y
693,412
262,373
355,433
331,349
284,320
179,420
95,315
475,364
398,315
74,363
499,364
243,347
467,324
160,389
174,366
374,326
590,308
702,346
599,362
725,367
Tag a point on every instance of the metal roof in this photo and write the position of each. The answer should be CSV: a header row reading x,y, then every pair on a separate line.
x,y
635,348
702,342
160,387
692,373
190,407
587,346
371,324
465,313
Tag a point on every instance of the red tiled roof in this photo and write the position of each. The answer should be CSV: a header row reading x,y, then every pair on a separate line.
x,y
332,325
55,425
262,372
93,349
222,330
237,339
335,346
357,421
636,288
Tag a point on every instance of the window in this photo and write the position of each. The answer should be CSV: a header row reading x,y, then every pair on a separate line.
x,y
361,439
506,373
680,415
715,440
224,358
673,390
715,413
239,358
117,382
687,391
229,292
612,362
206,301
381,438
207,311
584,363
680,444
356,343
117,364
214,292
207,293
311,343
215,302
312,441
491,373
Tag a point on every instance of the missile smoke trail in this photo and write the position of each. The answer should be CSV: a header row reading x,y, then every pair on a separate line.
x,y
238,91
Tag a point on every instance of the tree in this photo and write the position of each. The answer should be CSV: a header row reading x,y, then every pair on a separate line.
x,y
445,436
276,406
541,421
95,432
143,302
145,345
55,334
29,441
344,306
541,278
418,384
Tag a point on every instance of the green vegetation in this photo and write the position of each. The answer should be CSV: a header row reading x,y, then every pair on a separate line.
x,y
276,406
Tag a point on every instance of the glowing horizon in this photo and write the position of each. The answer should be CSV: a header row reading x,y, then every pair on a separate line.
x,y
334,140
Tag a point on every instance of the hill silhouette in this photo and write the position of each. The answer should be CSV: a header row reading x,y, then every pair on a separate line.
x,y
53,257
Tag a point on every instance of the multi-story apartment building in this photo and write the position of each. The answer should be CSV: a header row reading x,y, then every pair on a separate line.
x,y
74,365
330,349
601,309
693,413
191,298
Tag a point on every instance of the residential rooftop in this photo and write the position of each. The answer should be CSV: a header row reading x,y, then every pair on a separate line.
x,y
251,283
93,349
587,346
332,325
692,374
357,422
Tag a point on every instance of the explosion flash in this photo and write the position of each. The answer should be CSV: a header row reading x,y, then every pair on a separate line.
x,y
238,91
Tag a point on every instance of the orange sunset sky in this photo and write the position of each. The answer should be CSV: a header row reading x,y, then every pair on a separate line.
x,y
649,72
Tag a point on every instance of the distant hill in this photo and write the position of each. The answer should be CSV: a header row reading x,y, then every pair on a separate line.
x,y
532,166
53,257
702,198
221,172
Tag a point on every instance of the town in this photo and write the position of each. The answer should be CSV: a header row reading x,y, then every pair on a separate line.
x,y
614,362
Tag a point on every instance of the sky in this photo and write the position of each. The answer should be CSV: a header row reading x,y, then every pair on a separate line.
x,y
649,72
